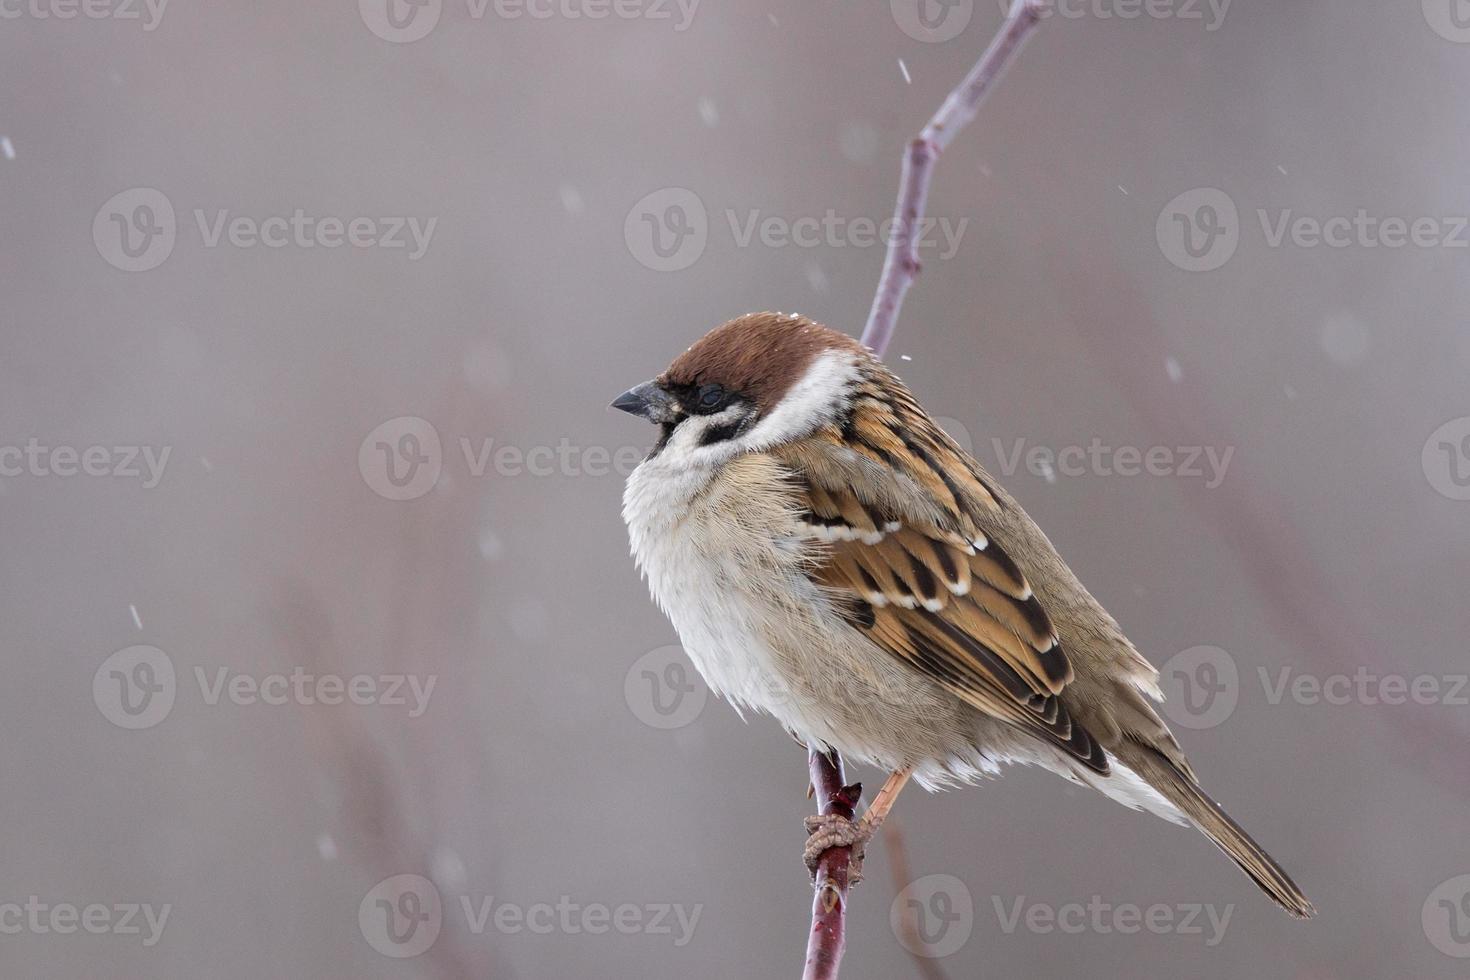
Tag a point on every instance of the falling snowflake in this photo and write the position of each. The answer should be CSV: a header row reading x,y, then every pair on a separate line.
x,y
816,278
1345,338
709,113
571,199
448,869
859,142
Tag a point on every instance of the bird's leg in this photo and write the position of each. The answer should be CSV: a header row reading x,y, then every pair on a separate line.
x,y
829,830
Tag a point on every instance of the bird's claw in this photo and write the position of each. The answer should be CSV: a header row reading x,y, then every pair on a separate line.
x,y
828,830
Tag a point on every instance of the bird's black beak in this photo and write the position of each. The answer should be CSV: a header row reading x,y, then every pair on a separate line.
x,y
650,401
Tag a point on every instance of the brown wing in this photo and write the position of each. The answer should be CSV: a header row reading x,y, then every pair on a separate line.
x,y
902,511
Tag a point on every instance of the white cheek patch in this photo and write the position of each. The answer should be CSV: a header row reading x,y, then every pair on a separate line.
x,y
684,447
815,400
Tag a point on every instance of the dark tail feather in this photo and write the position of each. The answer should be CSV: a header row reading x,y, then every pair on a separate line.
x,y
1227,835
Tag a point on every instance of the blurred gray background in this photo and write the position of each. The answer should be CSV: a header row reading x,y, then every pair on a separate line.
x,y
566,755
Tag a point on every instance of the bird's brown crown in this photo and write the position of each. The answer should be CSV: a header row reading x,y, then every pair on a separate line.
x,y
759,355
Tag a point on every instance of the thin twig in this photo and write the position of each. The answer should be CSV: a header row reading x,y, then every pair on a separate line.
x,y
825,943
901,264
898,864
827,938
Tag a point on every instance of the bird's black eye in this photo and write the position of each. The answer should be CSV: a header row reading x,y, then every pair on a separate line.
x,y
710,397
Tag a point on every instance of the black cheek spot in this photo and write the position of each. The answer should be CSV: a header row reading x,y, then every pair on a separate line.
x,y
720,433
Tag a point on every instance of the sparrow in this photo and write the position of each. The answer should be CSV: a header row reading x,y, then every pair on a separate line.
x,y
830,557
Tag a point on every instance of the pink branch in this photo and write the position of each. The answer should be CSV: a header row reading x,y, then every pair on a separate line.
x,y
827,939
901,265
825,943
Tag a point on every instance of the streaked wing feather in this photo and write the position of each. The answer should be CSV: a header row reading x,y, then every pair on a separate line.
x,y
905,545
